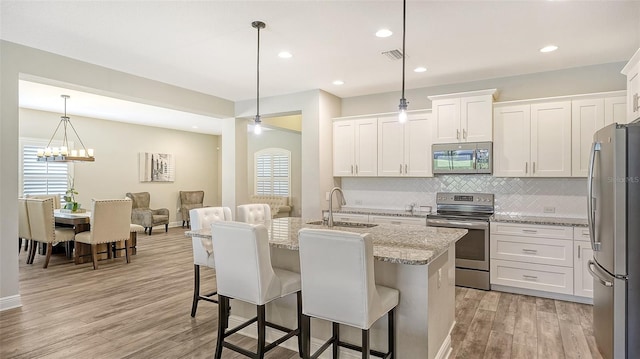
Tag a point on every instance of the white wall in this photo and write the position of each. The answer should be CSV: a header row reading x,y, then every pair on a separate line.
x,y
288,140
21,62
117,145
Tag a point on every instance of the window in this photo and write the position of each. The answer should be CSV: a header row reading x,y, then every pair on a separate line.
x,y
41,177
272,170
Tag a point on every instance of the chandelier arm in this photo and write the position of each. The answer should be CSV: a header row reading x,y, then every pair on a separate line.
x,y
74,131
54,133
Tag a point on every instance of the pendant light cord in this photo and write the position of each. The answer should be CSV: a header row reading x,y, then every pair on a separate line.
x,y
404,26
258,77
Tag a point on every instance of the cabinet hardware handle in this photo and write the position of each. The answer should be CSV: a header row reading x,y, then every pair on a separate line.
x,y
579,250
636,102
356,169
464,134
529,277
534,167
526,167
396,222
532,251
585,232
401,168
457,134
351,169
405,168
529,231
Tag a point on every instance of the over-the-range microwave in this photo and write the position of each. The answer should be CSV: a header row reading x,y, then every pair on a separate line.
x,y
459,158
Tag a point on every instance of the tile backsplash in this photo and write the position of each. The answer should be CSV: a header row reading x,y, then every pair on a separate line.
x,y
527,196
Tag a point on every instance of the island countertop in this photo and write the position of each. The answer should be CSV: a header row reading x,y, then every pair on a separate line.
x,y
416,245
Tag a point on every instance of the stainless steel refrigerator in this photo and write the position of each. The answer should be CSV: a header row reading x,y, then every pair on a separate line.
x,y
614,223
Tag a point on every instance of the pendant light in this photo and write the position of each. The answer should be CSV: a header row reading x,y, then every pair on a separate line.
x,y
257,123
64,153
402,114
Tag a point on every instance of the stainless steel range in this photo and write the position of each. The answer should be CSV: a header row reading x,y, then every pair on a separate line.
x,y
470,211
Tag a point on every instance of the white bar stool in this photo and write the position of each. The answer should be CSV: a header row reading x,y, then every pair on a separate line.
x,y
244,272
201,218
338,285
253,213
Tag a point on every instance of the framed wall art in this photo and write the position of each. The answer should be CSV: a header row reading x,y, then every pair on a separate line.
x,y
156,167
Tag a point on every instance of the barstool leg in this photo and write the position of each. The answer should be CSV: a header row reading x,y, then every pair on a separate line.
x,y
300,336
196,289
306,336
261,332
365,344
392,333
223,308
336,339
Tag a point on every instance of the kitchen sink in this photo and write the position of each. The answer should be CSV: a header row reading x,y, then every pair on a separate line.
x,y
346,224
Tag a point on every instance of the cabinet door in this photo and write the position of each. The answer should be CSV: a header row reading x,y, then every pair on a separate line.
x,y
366,147
343,148
587,116
417,146
633,93
615,110
511,141
476,121
391,146
551,139
397,220
582,282
446,120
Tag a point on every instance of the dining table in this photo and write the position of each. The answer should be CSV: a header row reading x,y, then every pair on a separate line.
x,y
79,221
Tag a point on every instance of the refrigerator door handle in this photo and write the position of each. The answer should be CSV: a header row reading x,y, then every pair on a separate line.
x,y
590,265
595,147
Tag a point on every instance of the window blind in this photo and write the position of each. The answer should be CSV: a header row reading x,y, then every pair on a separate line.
x,y
272,172
42,177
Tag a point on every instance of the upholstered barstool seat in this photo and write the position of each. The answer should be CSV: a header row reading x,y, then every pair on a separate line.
x,y
202,218
244,272
338,285
253,213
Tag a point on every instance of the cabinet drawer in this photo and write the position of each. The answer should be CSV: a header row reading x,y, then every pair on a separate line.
x,y
532,250
398,220
529,230
532,276
348,217
581,234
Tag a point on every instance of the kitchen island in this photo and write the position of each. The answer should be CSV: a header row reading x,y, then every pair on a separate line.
x,y
419,261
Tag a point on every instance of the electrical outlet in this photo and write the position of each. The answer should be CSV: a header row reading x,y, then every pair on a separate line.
x,y
549,209
326,196
358,201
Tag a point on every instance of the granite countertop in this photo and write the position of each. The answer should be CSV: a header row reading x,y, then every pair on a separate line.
x,y
414,245
383,212
552,221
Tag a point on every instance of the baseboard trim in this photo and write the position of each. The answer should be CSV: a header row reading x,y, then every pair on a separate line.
x,y
291,344
446,349
542,294
10,302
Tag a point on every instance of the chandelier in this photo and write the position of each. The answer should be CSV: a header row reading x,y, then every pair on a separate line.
x,y
64,153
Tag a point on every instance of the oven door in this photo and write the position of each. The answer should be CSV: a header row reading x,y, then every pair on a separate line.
x,y
472,250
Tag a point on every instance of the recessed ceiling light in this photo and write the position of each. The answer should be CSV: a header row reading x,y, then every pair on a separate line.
x,y
384,33
420,69
549,48
285,55
194,127
338,82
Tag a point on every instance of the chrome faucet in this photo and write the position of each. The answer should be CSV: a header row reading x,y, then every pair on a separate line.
x,y
330,223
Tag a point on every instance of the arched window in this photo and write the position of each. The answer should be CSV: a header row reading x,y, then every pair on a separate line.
x,y
272,172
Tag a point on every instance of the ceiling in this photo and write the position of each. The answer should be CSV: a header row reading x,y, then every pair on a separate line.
x,y
210,46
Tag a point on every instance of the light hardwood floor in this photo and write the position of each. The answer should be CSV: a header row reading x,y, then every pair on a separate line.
x,y
141,310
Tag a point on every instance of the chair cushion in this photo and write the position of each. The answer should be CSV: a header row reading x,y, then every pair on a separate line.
x,y
64,234
289,281
136,228
160,218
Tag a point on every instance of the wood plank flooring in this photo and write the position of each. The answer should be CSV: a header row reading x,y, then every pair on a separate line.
x,y
141,310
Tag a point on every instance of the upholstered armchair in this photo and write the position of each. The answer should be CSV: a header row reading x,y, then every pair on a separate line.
x,y
143,215
188,201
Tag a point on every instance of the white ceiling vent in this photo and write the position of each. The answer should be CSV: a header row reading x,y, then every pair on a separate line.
x,y
393,54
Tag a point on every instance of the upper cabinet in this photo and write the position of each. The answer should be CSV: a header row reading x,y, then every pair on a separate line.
x,y
533,140
632,71
463,117
404,150
355,147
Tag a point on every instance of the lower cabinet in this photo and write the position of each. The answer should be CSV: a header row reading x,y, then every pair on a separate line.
x,y
548,278
350,217
397,220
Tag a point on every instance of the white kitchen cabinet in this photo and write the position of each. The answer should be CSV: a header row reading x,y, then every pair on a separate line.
x,y
534,257
397,220
589,115
404,150
463,117
350,217
355,147
582,280
632,71
533,140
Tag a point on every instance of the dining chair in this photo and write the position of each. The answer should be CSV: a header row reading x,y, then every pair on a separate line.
x,y
56,198
253,213
188,201
109,223
338,285
244,272
24,232
202,218
43,229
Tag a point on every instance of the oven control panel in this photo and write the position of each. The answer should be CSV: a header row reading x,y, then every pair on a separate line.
x,y
464,198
